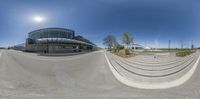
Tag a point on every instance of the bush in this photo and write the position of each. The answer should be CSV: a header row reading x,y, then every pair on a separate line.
x,y
119,47
183,53
124,52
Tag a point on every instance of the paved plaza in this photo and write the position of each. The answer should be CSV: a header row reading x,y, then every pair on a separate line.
x,y
155,71
88,76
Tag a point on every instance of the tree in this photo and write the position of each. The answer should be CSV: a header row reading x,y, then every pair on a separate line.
x,y
118,47
127,39
109,41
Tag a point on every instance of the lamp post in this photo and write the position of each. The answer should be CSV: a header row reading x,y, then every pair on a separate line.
x,y
169,45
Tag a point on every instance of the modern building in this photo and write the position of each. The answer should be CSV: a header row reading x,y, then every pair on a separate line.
x,y
57,40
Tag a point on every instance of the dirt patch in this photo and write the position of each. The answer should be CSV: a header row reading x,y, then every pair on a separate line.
x,y
125,56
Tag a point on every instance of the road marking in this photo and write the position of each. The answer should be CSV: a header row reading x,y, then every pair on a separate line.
x,y
142,85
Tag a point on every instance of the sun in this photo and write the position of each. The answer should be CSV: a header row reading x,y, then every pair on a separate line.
x,y
38,19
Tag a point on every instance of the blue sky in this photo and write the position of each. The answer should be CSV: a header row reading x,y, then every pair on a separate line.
x,y
151,22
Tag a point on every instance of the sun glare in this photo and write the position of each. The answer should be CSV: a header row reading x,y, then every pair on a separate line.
x,y
38,19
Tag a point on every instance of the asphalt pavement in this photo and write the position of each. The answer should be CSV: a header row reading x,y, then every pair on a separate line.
x,y
86,76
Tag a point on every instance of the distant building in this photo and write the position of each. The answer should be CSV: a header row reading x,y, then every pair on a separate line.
x,y
137,47
57,40
2,48
20,47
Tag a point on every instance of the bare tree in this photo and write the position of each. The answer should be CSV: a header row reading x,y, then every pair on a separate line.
x,y
127,39
109,41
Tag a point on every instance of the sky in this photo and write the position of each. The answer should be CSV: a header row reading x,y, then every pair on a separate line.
x,y
151,22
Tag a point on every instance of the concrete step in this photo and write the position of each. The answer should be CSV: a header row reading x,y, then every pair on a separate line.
x,y
152,68
140,75
159,63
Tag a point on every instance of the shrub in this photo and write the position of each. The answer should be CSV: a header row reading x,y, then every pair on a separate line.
x,y
118,47
124,52
183,53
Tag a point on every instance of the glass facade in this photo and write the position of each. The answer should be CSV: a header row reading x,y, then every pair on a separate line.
x,y
51,33
55,40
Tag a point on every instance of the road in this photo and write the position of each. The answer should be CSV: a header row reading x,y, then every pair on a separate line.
x,y
86,76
